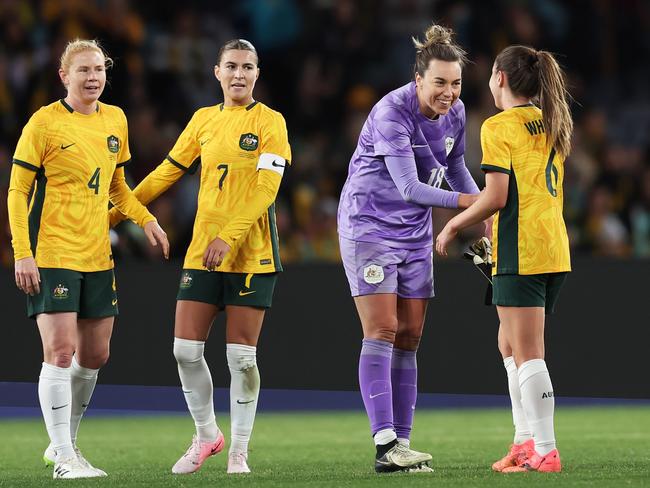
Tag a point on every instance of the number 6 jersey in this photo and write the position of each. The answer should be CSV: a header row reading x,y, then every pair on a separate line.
x,y
77,161
528,234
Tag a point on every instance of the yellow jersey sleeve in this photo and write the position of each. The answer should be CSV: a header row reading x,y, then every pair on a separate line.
x,y
124,156
20,185
32,145
155,184
126,202
274,137
497,154
187,151
268,184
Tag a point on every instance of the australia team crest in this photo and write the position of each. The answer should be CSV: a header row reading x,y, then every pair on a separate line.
x,y
249,141
60,292
186,280
113,144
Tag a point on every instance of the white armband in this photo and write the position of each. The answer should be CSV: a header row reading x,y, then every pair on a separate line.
x,y
273,162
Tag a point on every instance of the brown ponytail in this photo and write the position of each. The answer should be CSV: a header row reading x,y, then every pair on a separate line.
x,y
536,74
553,102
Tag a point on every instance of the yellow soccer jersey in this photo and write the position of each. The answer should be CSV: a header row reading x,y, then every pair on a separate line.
x,y
77,162
228,142
529,235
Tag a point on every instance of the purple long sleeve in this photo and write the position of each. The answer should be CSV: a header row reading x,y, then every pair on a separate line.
x,y
459,177
405,175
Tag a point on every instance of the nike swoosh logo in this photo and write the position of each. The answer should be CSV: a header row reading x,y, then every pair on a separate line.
x,y
277,165
62,406
203,142
66,147
244,403
244,293
188,392
213,450
84,405
114,302
378,394
419,145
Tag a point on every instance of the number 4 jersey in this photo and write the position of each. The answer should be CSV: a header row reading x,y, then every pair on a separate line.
x,y
529,235
77,161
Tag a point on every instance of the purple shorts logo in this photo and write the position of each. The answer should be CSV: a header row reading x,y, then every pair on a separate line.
x,y
373,274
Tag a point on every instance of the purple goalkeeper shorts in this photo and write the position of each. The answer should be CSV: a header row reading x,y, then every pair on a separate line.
x,y
375,268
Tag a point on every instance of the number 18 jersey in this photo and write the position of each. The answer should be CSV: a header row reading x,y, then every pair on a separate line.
x,y
528,235
228,142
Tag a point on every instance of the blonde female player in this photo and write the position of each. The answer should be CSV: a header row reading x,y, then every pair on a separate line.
x,y
75,149
523,156
233,260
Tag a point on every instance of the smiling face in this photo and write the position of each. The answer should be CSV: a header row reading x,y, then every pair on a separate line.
x,y
237,72
85,78
439,88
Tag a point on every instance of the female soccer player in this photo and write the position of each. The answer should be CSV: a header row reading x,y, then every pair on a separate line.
x,y
233,260
413,135
523,156
75,149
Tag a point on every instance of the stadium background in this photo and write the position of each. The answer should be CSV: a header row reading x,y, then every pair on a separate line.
x,y
324,64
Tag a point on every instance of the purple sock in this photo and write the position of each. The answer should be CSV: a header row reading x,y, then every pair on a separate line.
x,y
374,380
404,378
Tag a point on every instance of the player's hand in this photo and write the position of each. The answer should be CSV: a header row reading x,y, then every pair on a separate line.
x,y
28,279
156,236
444,238
215,254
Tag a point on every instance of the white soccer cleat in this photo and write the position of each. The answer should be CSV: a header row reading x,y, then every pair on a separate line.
x,y
237,463
400,457
72,468
49,458
198,452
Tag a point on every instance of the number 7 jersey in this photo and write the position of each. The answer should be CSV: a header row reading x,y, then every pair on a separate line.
x,y
228,142
528,235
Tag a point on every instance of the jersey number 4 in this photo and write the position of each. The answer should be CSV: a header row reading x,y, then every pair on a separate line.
x,y
93,183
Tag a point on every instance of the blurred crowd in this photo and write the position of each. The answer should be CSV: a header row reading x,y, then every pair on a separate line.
x,y
324,63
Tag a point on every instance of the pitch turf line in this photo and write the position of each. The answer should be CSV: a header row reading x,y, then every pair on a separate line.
x,y
600,447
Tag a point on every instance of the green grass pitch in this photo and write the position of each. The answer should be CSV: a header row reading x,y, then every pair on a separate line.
x,y
600,446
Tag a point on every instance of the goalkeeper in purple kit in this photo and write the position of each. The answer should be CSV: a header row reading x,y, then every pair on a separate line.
x,y
413,139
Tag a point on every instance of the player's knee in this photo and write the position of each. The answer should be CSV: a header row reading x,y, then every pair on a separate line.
x,y
62,358
241,357
188,351
408,340
384,329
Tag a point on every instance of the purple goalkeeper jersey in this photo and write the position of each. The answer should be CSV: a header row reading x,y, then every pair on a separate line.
x,y
371,207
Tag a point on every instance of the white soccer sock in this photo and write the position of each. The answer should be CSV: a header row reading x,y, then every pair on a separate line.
x,y
55,396
82,382
197,386
538,402
244,391
384,436
522,431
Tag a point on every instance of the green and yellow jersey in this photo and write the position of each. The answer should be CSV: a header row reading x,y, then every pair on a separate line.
x,y
528,235
242,152
77,161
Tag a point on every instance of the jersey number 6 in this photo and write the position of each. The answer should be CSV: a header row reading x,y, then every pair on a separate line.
x,y
224,168
93,183
551,175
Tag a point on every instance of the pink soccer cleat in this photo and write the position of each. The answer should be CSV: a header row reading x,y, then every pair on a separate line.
x,y
517,454
550,463
198,452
